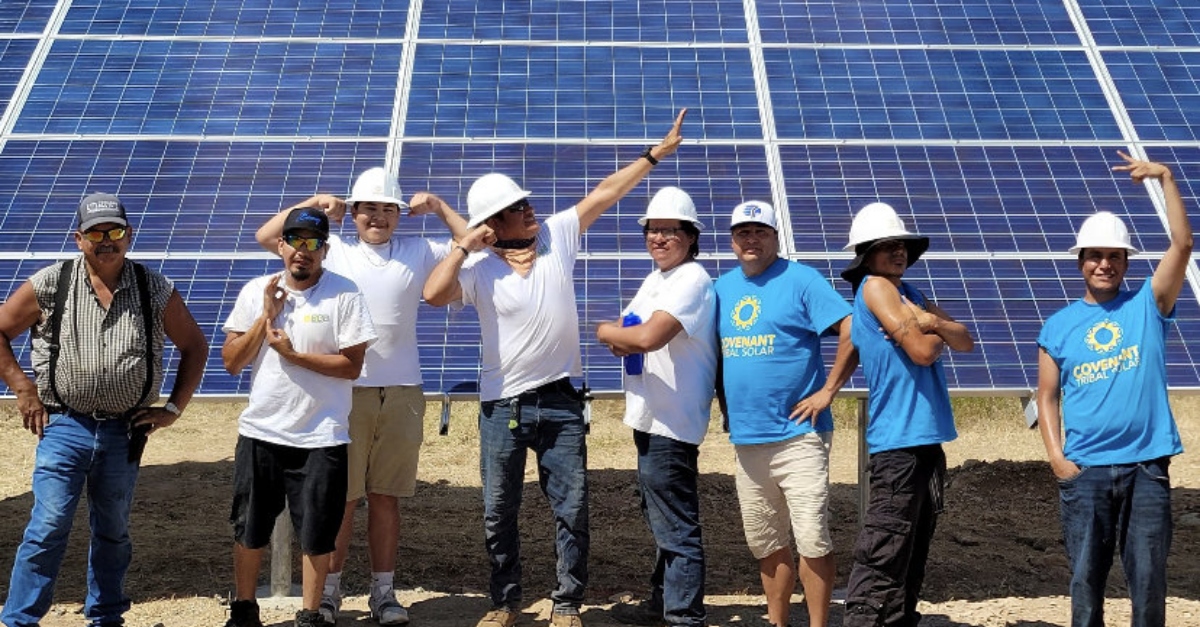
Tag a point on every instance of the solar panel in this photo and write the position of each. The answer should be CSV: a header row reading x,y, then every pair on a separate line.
x,y
991,125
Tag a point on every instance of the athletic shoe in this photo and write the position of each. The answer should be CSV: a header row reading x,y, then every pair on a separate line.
x,y
331,606
243,614
385,608
637,613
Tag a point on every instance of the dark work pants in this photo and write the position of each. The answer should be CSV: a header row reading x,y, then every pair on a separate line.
x,y
890,554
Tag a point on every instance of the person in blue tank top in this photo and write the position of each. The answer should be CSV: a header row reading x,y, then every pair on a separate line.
x,y
771,315
1104,357
900,337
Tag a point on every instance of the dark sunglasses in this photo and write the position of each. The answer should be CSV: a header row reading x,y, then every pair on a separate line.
x,y
97,236
311,244
518,207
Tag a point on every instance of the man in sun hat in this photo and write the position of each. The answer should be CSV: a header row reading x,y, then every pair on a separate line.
x,y
304,332
668,403
388,409
771,316
1104,357
91,409
900,336
518,275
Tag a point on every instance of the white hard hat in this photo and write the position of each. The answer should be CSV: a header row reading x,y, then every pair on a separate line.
x,y
1103,230
376,185
671,203
489,194
753,211
877,221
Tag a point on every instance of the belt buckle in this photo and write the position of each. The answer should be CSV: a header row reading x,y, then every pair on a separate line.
x,y
103,416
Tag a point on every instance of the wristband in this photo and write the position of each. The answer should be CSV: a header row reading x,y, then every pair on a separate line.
x,y
466,253
649,157
171,407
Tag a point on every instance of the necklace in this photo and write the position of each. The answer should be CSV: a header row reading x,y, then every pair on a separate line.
x,y
374,258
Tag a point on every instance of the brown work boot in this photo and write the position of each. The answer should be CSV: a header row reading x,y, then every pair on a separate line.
x,y
499,617
565,620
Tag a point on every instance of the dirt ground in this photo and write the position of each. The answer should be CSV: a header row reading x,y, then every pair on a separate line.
x,y
997,558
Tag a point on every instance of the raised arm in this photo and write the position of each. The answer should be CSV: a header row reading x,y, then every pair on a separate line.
x,y
1168,276
844,364
649,336
900,321
269,233
1049,416
426,202
442,286
613,188
20,312
240,348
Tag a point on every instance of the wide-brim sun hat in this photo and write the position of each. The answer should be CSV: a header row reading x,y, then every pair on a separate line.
x,y
489,195
1103,229
874,224
671,203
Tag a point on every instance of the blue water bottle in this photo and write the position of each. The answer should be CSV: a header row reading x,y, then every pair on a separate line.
x,y
633,362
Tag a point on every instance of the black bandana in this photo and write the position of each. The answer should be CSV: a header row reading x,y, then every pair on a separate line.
x,y
513,244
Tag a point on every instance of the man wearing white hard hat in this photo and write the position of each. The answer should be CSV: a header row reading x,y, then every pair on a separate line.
x,y
668,403
900,336
772,314
1104,358
517,273
388,408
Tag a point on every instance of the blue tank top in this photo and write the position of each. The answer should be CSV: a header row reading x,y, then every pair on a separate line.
x,y
908,404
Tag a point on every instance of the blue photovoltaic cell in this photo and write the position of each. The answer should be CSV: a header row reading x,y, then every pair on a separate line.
x,y
1024,199
591,92
1141,23
832,93
214,88
717,178
1161,92
245,18
14,56
181,196
25,16
967,22
646,21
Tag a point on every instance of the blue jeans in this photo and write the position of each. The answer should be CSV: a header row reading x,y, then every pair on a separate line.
x,y
667,473
76,452
1126,506
548,420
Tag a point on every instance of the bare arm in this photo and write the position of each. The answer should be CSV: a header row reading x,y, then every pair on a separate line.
x,y
442,286
269,233
425,203
345,364
649,336
844,364
954,333
613,188
1167,281
240,348
900,322
1049,416
20,312
187,337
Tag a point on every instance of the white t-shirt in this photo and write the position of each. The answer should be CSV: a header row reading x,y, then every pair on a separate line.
x,y
673,395
390,277
295,406
528,324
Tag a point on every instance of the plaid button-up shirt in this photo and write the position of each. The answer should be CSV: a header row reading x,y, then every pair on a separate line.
x,y
101,362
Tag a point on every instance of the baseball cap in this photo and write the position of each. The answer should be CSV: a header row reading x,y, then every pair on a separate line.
x,y
307,219
755,211
99,208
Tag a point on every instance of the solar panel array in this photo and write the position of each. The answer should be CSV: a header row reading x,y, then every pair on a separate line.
x,y
990,124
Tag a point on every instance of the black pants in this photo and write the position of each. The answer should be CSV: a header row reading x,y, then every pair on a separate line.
x,y
890,554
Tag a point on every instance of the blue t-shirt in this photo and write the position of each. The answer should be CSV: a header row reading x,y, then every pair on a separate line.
x,y
1113,373
770,327
909,404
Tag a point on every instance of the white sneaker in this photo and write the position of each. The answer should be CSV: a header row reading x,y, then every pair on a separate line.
x,y
331,606
385,608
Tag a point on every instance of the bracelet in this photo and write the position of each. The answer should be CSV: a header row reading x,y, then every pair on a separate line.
x,y
649,157
466,253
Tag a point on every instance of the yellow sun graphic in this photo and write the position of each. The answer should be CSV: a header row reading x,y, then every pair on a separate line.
x,y
1114,336
748,321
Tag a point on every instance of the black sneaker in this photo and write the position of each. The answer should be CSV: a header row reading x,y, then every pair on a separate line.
x,y
637,613
311,618
243,614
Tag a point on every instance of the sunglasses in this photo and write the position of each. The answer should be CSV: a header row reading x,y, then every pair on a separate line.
x,y
518,207
311,244
96,237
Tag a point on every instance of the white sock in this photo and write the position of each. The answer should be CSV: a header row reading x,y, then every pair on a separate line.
x,y
333,583
381,582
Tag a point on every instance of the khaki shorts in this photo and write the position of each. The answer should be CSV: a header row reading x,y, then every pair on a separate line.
x,y
387,426
783,490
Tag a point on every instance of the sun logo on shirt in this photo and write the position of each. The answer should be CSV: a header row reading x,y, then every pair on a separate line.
x,y
745,312
1104,336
